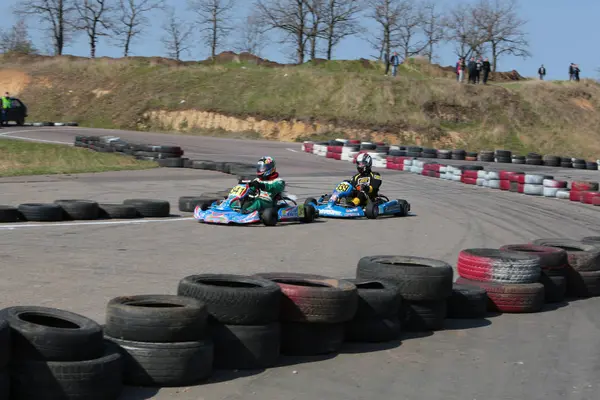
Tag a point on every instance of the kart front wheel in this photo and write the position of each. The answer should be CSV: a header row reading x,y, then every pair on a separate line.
x,y
310,213
269,216
311,200
372,210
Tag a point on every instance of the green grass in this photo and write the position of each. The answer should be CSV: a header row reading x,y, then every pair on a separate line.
x,y
19,158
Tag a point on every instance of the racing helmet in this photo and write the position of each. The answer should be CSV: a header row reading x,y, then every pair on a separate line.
x,y
265,167
364,162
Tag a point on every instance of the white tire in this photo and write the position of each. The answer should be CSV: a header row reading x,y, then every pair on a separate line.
x,y
493,175
534,179
479,181
550,191
482,174
551,183
408,163
533,190
563,194
493,183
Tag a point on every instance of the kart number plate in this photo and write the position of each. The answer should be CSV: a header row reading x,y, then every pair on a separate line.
x,y
301,211
237,190
342,187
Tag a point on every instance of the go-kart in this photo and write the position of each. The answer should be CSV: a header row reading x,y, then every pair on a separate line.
x,y
229,210
337,205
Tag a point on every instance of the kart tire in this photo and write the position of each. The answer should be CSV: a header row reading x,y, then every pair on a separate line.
x,y
156,318
417,278
234,299
405,208
377,298
269,216
310,213
314,299
372,210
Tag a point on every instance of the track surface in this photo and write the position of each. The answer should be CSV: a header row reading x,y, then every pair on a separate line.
x,y
549,355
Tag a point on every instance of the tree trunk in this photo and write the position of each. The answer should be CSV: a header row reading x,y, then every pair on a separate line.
x,y
494,56
214,38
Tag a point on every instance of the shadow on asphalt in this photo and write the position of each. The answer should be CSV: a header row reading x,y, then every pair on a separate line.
x,y
285,361
357,348
137,393
460,324
224,375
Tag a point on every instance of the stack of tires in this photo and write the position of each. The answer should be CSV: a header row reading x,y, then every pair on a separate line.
x,y
533,159
486,156
579,188
4,359
511,279
428,153
551,187
314,311
162,339
189,203
518,159
458,154
377,315
582,267
424,285
350,149
503,156
531,184
243,318
551,161
444,154
57,354
492,180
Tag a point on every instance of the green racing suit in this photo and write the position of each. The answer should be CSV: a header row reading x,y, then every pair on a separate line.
x,y
267,191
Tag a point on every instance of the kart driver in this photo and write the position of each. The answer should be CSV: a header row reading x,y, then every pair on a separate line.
x,y
268,185
366,182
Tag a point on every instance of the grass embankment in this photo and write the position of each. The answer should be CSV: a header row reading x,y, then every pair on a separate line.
x,y
19,158
424,103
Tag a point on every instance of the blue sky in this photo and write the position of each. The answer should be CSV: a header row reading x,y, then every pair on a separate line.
x,y
560,32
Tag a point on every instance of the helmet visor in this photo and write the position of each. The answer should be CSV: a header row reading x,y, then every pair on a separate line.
x,y
261,167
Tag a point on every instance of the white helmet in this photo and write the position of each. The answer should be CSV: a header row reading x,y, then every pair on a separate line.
x,y
364,162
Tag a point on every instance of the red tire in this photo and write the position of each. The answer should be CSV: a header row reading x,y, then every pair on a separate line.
x,y
515,177
551,258
504,184
575,195
588,197
505,175
596,201
329,154
509,298
520,188
552,183
492,265
584,186
354,141
337,156
468,181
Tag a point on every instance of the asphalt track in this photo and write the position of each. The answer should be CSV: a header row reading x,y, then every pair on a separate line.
x,y
549,355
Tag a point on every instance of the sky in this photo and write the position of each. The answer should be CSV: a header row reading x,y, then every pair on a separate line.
x,y
559,32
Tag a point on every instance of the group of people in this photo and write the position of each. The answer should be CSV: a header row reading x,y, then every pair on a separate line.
x,y
574,72
478,70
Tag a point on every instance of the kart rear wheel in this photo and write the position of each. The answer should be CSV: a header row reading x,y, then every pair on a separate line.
x,y
310,213
311,200
372,210
405,205
269,216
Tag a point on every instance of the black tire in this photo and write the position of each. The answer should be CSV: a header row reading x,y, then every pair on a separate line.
x,y
372,210
417,278
5,346
424,316
246,346
150,208
269,216
166,364
308,339
315,300
467,302
310,213
99,378
41,212
503,160
593,240
555,287
171,162
156,318
405,205
117,211
583,284
50,334
376,298
234,299
4,384
374,330
79,209
189,203
9,214
581,256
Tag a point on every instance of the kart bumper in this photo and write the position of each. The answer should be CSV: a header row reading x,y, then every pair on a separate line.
x,y
211,216
335,211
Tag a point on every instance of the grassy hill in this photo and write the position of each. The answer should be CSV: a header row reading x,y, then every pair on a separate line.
x,y
243,94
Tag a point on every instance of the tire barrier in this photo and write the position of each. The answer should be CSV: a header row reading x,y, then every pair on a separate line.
x,y
237,322
49,123
74,210
347,150
165,156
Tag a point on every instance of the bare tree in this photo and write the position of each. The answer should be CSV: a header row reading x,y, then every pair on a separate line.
x,y
177,35
131,20
409,23
288,16
213,20
433,28
95,19
461,29
340,19
252,38
16,39
386,13
315,28
56,15
499,22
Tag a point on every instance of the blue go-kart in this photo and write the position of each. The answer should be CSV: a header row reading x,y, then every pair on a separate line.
x,y
337,205
229,210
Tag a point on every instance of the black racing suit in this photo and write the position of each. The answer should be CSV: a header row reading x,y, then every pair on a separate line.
x,y
370,182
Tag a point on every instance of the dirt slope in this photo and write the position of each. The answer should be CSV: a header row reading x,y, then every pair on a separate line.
x,y
243,93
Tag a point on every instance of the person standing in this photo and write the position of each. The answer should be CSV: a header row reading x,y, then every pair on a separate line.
x,y
486,68
471,66
571,71
395,61
542,72
576,72
462,66
478,66
5,106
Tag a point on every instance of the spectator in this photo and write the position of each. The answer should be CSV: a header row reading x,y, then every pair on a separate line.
x,y
542,72
471,67
5,106
395,61
486,68
478,66
461,66
571,71
576,72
